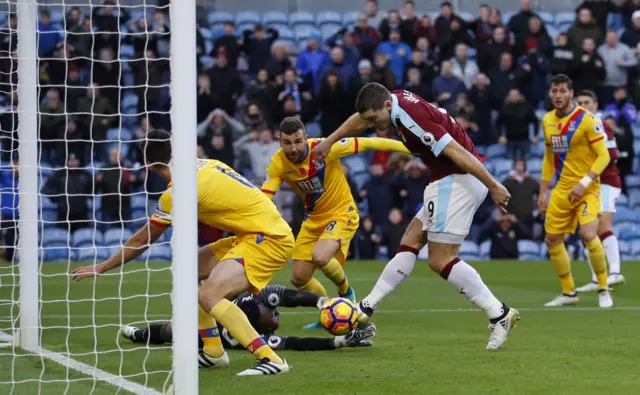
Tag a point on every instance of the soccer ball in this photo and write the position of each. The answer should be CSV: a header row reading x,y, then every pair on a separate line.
x,y
339,316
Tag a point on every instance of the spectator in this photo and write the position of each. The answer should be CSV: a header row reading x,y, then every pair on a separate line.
x,y
253,117
409,20
560,62
463,67
516,118
141,36
202,16
279,61
627,11
397,53
53,68
416,180
9,208
388,24
116,183
374,17
533,70
346,170
293,87
364,76
289,108
367,240
9,126
52,126
97,112
230,43
150,74
504,231
76,139
395,167
339,66
207,101
106,73
311,61
262,91
160,27
429,56
226,80
365,37
423,28
75,89
458,35
481,26
443,24
419,62
489,52
447,86
618,58
382,73
334,102
631,35
479,97
48,35
622,114
536,32
600,11
519,23
72,17
464,113
106,19
259,153
415,85
495,19
393,230
585,27
257,47
503,79
140,135
218,122
587,69
377,191
69,188
524,193
624,140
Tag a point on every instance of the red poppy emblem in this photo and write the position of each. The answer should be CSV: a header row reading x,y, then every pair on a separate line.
x,y
303,172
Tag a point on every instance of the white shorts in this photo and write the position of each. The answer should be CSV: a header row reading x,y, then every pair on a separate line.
x,y
449,206
608,197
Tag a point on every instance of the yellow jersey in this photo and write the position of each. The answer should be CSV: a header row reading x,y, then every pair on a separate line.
x,y
322,185
575,144
227,201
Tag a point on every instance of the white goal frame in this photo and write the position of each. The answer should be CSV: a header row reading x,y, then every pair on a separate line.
x,y
184,191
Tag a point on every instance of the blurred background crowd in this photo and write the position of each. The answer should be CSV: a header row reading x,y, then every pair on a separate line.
x,y
104,75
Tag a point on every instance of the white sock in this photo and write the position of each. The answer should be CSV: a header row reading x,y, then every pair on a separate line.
x,y
612,252
469,283
396,271
594,279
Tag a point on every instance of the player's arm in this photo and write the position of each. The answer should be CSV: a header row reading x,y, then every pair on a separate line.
x,y
360,337
355,145
470,164
352,126
278,295
274,179
133,248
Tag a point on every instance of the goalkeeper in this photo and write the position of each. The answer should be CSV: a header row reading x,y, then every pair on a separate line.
x,y
264,317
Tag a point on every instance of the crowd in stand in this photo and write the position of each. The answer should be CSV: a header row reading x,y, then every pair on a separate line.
x,y
489,75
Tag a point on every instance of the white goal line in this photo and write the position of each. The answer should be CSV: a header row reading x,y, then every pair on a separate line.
x,y
99,374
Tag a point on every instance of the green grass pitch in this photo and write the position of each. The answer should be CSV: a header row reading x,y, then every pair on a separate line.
x,y
429,340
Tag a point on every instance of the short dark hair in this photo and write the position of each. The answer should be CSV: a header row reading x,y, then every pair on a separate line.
x,y
589,93
485,5
156,147
562,79
291,125
446,4
371,96
413,3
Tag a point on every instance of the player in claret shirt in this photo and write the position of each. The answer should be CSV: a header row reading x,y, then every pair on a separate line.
x,y
459,184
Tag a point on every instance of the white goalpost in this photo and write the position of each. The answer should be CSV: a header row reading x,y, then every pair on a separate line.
x,y
67,139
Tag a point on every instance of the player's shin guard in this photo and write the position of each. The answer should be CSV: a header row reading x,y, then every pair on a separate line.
x,y
334,272
598,262
208,331
469,283
562,263
238,325
314,286
612,251
397,270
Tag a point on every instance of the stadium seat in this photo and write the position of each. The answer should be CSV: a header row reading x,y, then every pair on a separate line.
x,y
553,31
466,15
636,131
116,236
350,18
635,249
496,151
546,17
129,100
356,163
614,21
247,17
627,232
506,16
537,151
49,215
633,181
502,167
625,215
301,18
57,17
469,251
528,250
217,18
622,201
485,249
52,236
139,202
87,237
544,253
59,253
634,202
361,178
126,51
303,32
119,134
313,129
271,18
91,254
160,252
564,20
328,30
329,17
534,165
46,203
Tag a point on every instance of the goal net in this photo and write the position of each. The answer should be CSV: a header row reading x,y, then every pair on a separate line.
x,y
81,84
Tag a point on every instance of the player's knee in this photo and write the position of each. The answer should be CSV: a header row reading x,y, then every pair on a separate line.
x,y
587,234
211,292
552,240
320,259
298,280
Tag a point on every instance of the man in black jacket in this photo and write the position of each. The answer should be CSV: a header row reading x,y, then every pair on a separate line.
x,y
587,68
504,231
516,117
257,46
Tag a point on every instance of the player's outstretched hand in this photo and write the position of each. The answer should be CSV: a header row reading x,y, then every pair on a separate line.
x,y
542,202
577,192
361,336
321,150
86,271
500,196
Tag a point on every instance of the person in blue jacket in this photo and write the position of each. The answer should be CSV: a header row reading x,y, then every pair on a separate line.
x,y
9,200
312,60
397,52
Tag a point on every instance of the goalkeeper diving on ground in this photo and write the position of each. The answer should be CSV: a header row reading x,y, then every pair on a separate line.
x,y
261,309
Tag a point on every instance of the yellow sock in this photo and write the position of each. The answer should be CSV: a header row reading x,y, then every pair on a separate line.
x,y
208,331
238,325
560,260
598,261
314,286
334,272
